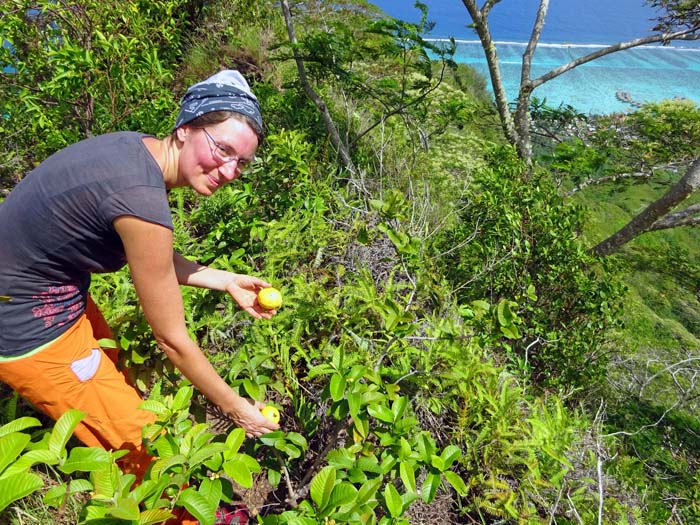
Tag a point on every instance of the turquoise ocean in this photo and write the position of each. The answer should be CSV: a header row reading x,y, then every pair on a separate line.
x,y
573,28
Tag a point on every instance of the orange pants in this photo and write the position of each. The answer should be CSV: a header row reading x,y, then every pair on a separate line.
x,y
74,372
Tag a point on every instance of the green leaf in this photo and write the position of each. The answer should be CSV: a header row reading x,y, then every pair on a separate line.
x,y
361,427
234,440
405,449
504,313
368,490
274,477
17,487
182,398
148,489
202,508
437,462
511,331
56,496
166,446
12,446
297,439
85,459
107,343
337,387
340,459
456,482
206,452
126,509
31,458
63,430
408,476
399,407
354,400
106,481
211,488
238,469
430,487
154,406
426,447
449,455
18,425
271,438
252,388
322,486
343,494
164,464
381,412
153,516
393,501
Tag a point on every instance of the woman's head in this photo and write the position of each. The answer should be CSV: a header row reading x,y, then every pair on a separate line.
x,y
223,95
218,130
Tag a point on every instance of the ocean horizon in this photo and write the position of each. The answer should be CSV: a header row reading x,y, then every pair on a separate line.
x,y
616,83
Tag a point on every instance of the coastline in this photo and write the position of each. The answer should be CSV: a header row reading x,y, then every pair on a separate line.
x,y
616,83
669,47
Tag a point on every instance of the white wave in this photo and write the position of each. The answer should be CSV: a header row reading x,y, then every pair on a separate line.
x,y
567,45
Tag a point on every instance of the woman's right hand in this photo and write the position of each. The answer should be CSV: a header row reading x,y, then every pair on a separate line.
x,y
246,414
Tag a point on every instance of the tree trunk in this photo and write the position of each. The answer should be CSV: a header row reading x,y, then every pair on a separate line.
x,y
480,18
653,214
516,127
522,112
340,146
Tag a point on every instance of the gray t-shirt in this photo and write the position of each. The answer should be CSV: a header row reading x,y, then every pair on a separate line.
x,y
56,229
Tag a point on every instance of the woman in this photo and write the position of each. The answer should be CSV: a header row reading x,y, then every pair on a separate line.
x,y
91,208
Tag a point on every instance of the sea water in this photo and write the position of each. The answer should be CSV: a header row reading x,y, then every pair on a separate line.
x,y
644,74
573,28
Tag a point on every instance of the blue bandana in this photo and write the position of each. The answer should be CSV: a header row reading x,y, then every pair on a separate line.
x,y
225,91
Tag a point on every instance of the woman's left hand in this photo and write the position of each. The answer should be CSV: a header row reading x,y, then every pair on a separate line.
x,y
244,289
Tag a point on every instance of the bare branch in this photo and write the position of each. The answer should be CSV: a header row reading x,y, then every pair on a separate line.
x,y
340,146
608,178
657,209
671,166
689,216
686,34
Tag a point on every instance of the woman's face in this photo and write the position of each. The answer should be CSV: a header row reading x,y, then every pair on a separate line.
x,y
214,156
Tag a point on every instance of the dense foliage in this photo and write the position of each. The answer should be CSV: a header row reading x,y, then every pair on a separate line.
x,y
518,241
442,350
71,70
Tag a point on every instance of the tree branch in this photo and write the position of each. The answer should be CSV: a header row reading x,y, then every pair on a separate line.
x,y
522,111
671,166
656,210
340,146
686,217
686,34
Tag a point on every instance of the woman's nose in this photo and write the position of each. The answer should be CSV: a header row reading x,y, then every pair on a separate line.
x,y
229,170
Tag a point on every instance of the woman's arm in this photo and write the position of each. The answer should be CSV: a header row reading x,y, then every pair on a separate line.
x,y
149,251
243,288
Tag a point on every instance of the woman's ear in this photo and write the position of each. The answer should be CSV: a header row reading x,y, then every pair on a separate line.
x,y
182,132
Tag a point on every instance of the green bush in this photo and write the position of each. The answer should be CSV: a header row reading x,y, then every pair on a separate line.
x,y
519,241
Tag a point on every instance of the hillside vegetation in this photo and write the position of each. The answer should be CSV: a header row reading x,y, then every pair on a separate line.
x,y
449,350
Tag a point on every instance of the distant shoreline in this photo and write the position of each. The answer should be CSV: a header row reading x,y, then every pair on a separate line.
x,y
617,83
564,45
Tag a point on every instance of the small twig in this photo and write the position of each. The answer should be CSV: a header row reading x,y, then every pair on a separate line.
x,y
291,500
304,483
573,509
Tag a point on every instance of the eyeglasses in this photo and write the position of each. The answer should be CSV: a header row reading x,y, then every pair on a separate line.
x,y
223,153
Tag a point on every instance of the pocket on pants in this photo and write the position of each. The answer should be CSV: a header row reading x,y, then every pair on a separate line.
x,y
86,368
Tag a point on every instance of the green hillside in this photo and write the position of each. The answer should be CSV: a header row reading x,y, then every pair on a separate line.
x,y
448,350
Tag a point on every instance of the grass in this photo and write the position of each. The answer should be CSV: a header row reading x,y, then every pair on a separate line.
x,y
661,269
661,317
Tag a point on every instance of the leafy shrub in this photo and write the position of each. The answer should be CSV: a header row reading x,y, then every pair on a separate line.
x,y
519,241
105,70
